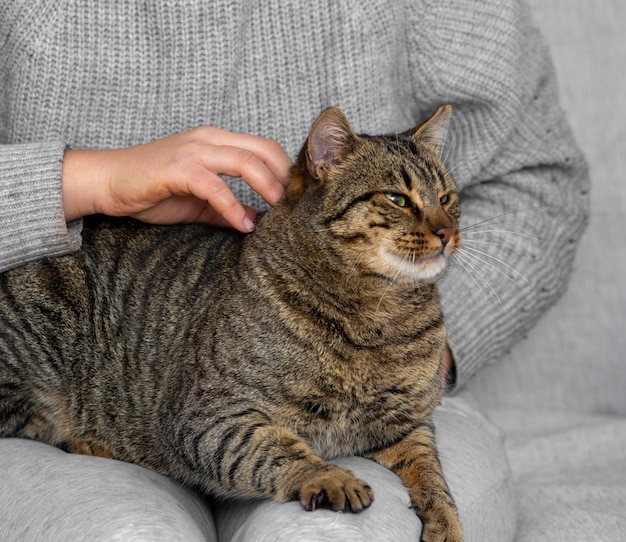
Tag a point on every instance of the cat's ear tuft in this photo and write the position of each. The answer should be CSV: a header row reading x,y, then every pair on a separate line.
x,y
330,141
433,132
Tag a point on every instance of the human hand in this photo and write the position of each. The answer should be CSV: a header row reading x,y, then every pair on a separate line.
x,y
175,179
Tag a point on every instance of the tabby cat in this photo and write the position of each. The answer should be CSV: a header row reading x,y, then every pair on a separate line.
x,y
239,363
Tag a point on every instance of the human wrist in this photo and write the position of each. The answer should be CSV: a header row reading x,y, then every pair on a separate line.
x,y
83,179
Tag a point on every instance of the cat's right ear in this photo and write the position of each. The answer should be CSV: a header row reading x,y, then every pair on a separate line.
x,y
330,140
433,132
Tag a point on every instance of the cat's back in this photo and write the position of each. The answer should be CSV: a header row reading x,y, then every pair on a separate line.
x,y
121,253
126,277
130,249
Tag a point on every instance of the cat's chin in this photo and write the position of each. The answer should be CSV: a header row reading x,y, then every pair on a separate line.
x,y
403,269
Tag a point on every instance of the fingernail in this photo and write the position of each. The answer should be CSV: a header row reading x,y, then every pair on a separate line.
x,y
248,224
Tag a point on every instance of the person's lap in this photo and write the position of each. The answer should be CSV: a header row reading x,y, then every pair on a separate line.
x,y
473,458
49,495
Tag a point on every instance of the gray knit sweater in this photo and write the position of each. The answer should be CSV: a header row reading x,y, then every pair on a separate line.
x,y
112,74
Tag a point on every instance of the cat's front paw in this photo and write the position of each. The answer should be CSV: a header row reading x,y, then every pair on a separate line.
x,y
336,489
442,527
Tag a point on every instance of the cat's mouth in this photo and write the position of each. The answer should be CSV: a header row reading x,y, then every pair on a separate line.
x,y
430,267
413,268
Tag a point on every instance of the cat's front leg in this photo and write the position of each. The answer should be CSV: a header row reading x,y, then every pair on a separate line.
x,y
270,461
287,469
414,459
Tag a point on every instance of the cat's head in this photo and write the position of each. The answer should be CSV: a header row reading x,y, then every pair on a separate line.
x,y
386,204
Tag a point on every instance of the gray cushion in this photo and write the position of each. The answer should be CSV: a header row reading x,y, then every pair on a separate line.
x,y
55,496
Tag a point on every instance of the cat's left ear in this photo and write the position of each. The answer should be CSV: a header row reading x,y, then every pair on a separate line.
x,y
330,141
433,132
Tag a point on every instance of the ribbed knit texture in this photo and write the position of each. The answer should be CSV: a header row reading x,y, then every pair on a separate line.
x,y
103,74
32,224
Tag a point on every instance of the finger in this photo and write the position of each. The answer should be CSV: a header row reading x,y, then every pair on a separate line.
x,y
211,216
269,151
212,189
238,162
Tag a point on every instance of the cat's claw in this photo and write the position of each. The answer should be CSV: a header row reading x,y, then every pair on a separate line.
x,y
338,490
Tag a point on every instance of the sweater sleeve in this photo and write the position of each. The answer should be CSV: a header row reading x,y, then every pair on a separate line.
x,y
32,223
522,180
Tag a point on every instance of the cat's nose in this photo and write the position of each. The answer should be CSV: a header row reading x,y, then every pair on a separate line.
x,y
444,234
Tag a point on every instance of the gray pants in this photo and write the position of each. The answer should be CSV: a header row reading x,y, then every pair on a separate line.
x,y
47,495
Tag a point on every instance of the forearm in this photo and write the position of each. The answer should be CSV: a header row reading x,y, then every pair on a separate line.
x,y
505,278
32,220
523,182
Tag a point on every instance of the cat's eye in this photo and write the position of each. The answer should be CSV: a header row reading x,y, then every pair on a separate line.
x,y
444,199
399,199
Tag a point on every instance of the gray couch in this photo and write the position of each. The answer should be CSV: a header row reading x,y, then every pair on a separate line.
x,y
559,397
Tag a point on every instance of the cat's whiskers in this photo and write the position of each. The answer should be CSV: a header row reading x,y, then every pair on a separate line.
x,y
486,233
501,231
454,126
455,166
392,281
356,263
416,281
445,146
468,265
480,242
494,220
484,257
